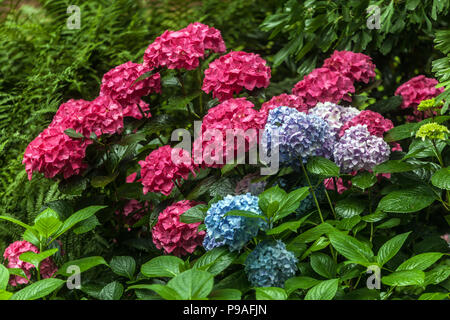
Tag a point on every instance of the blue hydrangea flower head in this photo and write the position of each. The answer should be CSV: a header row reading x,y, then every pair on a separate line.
x,y
270,264
298,135
232,231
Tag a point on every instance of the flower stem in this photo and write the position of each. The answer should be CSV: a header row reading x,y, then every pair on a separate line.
x,y
312,191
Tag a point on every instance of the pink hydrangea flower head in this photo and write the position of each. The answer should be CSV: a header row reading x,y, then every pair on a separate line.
x,y
232,72
55,153
355,66
134,112
182,49
286,100
163,166
323,85
375,122
101,116
414,91
130,207
176,237
119,84
104,116
234,116
12,254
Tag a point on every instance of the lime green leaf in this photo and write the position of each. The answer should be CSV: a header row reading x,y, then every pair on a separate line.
x,y
270,293
77,217
36,258
390,248
351,248
215,261
292,225
364,180
84,264
325,290
162,266
38,289
4,277
270,195
407,200
434,296
420,261
323,265
192,284
404,278
112,291
291,202
441,178
47,222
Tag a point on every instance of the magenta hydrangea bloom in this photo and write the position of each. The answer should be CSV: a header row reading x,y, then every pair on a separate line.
x,y
119,84
134,112
358,149
232,72
414,91
323,85
283,100
12,254
236,116
130,207
55,153
355,66
335,115
176,237
375,123
159,171
183,48
100,116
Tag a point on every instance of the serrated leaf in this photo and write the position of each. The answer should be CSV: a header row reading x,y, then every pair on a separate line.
x,y
441,178
323,167
420,261
192,284
38,289
390,248
195,214
83,264
162,266
349,207
323,265
351,248
124,266
404,278
364,180
407,200
325,290
394,166
4,277
291,202
112,291
296,283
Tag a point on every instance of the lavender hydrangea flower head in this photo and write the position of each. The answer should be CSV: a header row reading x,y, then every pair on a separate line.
x,y
300,136
358,149
335,115
270,264
232,231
